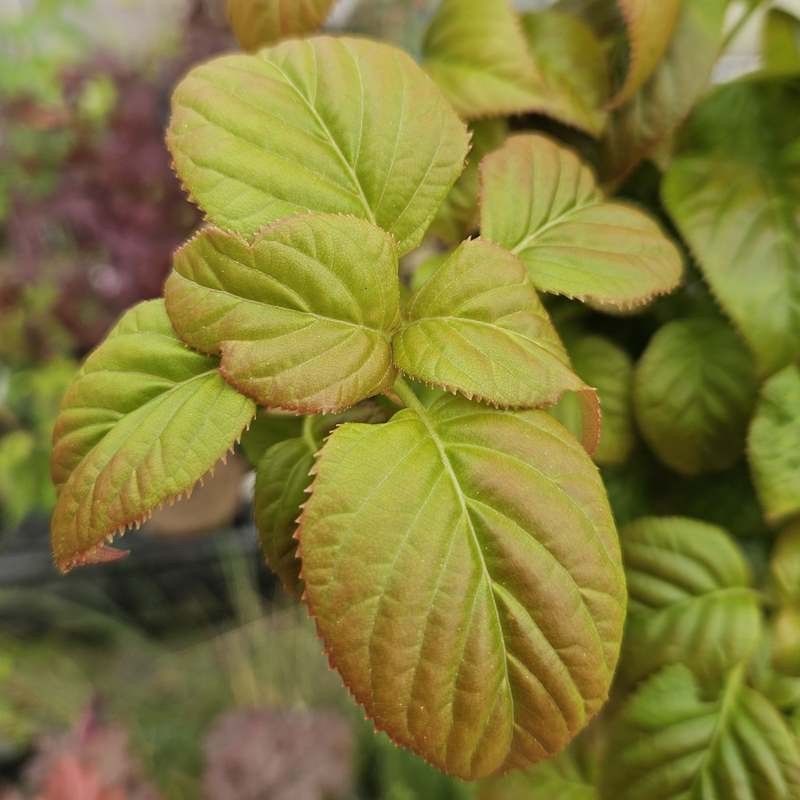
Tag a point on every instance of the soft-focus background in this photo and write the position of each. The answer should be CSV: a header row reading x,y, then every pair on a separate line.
x,y
182,671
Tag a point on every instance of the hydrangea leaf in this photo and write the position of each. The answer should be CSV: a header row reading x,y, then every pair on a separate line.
x,y
691,599
782,690
736,200
647,120
786,640
650,25
260,22
478,327
542,203
144,420
476,51
458,215
673,743
266,430
773,445
785,564
780,46
463,569
302,317
695,389
258,137
574,60
607,367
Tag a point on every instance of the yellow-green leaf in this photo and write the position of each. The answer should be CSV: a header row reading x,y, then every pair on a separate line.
x,y
302,317
780,44
323,124
260,22
542,203
463,569
143,421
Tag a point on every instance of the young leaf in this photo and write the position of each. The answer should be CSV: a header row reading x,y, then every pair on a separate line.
x,y
672,743
266,430
691,600
736,200
637,129
650,25
478,327
302,316
477,54
260,22
773,445
694,390
542,203
143,421
259,137
608,368
780,45
567,51
463,569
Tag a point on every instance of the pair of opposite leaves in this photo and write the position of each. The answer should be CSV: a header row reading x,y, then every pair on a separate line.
x,y
461,562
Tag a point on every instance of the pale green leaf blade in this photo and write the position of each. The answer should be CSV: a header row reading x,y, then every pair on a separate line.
x,y
302,317
736,201
323,124
773,445
650,25
142,422
672,743
609,369
478,327
542,203
691,599
260,22
695,388
644,123
476,52
574,62
780,45
463,569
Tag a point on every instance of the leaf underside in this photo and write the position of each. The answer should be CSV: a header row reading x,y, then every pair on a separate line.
x,y
255,138
142,422
542,203
463,569
260,22
302,316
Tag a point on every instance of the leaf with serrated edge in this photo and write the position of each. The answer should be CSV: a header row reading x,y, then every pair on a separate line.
x,y
260,22
302,316
773,445
475,50
542,203
694,391
650,25
323,124
478,327
144,420
672,743
691,599
463,569
608,368
736,200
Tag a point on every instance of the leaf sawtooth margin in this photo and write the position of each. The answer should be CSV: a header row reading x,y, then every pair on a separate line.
x,y
463,569
144,420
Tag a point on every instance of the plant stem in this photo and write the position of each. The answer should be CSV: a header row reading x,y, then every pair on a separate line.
x,y
740,23
308,434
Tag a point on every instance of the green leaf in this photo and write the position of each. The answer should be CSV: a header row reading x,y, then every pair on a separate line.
x,y
323,124
609,369
785,564
786,640
463,569
736,200
672,743
260,22
266,430
567,51
458,215
478,327
773,445
691,600
302,317
782,690
694,391
780,42
650,26
542,203
476,52
639,127
144,420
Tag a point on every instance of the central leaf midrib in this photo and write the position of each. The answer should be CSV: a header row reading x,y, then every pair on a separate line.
x,y
528,240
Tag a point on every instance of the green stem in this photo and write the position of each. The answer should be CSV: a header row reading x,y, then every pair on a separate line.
x,y
406,394
308,434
